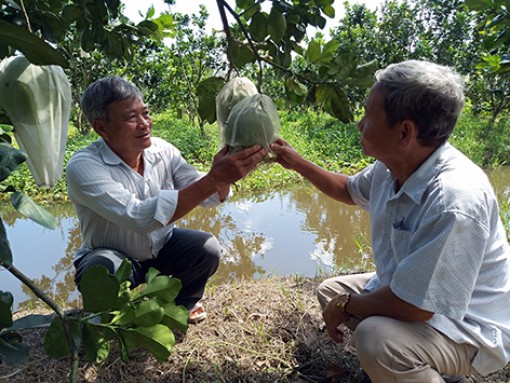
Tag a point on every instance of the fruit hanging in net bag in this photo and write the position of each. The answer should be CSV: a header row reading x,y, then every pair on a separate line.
x,y
233,92
253,120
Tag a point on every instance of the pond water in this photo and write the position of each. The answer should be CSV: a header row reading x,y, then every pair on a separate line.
x,y
298,231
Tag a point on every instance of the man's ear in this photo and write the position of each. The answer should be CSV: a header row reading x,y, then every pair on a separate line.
x,y
99,127
408,133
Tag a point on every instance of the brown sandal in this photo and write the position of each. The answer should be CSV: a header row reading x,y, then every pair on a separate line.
x,y
197,313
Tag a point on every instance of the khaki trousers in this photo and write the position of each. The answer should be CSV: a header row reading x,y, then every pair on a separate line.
x,y
393,351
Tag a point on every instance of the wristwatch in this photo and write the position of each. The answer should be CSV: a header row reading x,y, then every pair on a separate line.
x,y
341,301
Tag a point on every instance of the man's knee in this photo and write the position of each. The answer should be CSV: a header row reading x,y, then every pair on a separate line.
x,y
369,336
212,250
327,290
379,344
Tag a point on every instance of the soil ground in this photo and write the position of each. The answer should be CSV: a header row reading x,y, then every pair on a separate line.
x,y
267,330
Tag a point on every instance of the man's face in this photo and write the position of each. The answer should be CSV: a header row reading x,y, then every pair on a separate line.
x,y
128,128
378,139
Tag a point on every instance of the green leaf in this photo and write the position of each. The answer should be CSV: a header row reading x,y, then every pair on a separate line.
x,y
150,12
331,46
148,313
314,51
71,13
5,247
96,342
6,128
30,209
477,5
345,65
241,54
206,92
55,341
125,270
125,317
99,290
159,340
128,342
175,317
163,287
244,4
10,158
258,27
334,100
6,301
13,353
166,27
151,274
295,90
276,25
36,50
329,11
363,76
317,56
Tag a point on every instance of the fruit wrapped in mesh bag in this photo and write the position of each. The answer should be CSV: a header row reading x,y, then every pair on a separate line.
x,y
233,92
253,120
37,100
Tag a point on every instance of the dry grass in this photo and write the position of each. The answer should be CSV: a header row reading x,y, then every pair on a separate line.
x,y
257,331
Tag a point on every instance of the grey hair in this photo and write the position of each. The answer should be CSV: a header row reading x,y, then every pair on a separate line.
x,y
429,94
101,93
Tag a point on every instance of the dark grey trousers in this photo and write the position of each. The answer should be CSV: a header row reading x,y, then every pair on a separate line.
x,y
190,255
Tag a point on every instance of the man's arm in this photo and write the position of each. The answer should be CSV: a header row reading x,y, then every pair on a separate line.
x,y
225,170
330,183
385,303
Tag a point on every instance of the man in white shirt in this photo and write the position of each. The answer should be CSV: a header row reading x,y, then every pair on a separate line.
x,y
437,307
129,188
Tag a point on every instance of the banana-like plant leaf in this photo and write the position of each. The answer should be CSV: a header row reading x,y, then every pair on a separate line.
x,y
36,50
30,209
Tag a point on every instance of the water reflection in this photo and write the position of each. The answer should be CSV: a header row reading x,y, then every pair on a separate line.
x,y
298,231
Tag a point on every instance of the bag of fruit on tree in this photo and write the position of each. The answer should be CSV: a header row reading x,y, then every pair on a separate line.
x,y
253,120
233,92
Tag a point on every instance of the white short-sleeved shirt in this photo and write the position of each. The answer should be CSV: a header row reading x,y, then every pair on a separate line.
x,y
439,243
120,209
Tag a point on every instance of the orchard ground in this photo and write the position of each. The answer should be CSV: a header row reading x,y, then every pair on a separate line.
x,y
267,330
